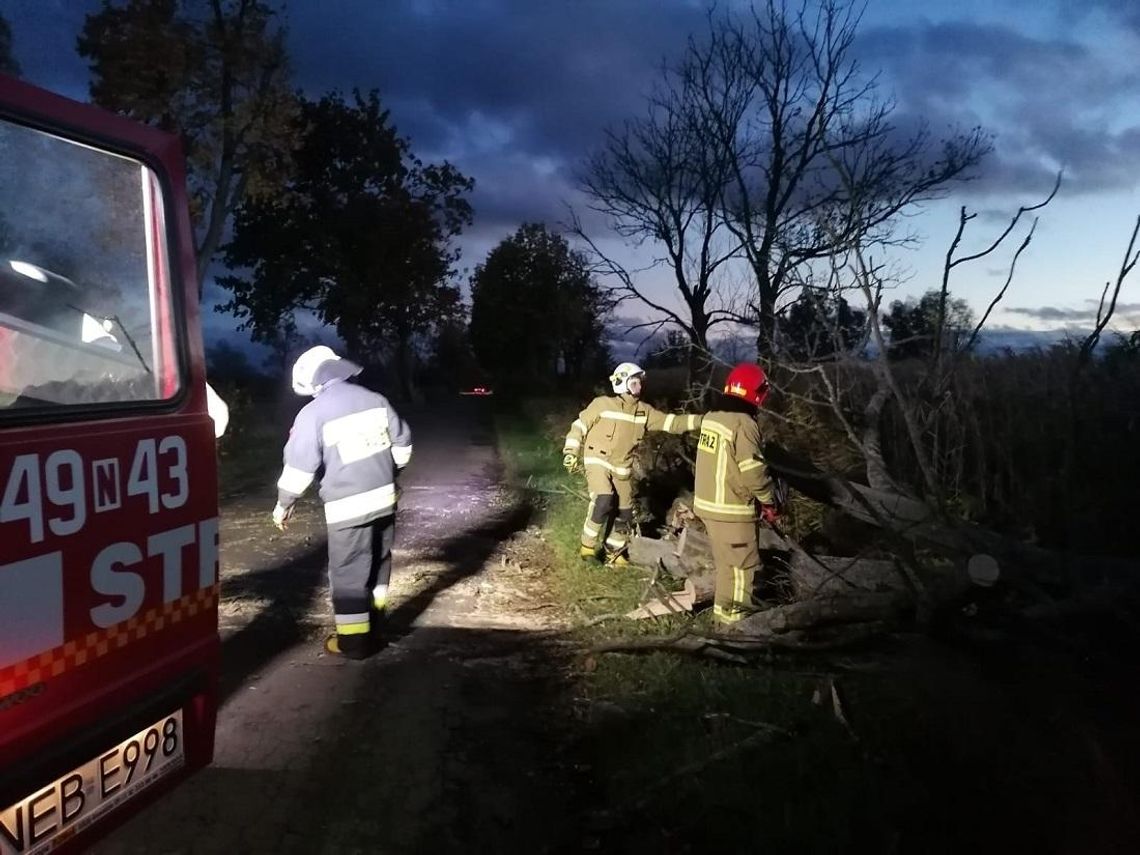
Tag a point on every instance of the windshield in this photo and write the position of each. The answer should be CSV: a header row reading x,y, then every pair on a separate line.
x,y
84,293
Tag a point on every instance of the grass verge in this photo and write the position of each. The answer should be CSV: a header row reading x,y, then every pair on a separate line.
x,y
681,751
931,747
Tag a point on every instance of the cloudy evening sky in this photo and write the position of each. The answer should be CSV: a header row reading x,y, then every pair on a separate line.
x,y
517,92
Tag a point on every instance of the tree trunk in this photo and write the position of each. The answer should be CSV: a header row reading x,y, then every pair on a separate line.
x,y
877,474
825,611
766,292
404,366
699,362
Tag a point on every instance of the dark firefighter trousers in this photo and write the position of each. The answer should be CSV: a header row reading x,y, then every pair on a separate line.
x,y
609,516
360,558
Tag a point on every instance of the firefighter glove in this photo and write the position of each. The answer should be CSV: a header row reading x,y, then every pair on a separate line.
x,y
769,513
282,515
570,461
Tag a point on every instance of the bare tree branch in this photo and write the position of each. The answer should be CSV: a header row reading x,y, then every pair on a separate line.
x,y
1105,310
952,262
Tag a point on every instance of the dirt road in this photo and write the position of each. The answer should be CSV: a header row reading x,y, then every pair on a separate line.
x,y
448,739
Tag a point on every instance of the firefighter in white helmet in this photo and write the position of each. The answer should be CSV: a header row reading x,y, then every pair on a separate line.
x,y
604,439
361,443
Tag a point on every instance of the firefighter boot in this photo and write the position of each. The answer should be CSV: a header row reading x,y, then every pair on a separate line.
x,y
617,543
617,559
588,553
349,646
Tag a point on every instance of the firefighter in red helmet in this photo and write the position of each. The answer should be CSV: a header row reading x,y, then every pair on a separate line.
x,y
733,489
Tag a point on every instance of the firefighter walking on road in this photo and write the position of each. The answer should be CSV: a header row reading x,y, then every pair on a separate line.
x,y
734,490
604,438
360,443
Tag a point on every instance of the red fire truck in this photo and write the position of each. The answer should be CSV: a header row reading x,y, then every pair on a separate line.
x,y
109,646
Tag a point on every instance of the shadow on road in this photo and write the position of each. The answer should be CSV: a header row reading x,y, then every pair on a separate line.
x,y
287,591
441,743
465,554
458,744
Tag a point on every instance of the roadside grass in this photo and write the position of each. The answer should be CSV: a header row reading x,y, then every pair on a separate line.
x,y
249,455
530,448
249,461
967,743
682,750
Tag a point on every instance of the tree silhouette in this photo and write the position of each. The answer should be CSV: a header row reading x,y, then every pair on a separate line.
x,y
452,362
536,313
670,352
820,325
657,179
784,109
214,72
8,64
914,325
362,238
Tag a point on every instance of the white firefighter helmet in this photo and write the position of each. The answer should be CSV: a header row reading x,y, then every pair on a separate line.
x,y
308,378
622,375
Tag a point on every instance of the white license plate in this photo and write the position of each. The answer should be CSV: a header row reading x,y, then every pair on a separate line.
x,y
55,813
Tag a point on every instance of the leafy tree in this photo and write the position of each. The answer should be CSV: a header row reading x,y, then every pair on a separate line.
x,y
362,238
452,362
8,64
536,313
214,71
914,325
820,325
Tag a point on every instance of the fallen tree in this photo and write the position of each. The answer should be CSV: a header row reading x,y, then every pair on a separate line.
x,y
914,521
863,594
925,559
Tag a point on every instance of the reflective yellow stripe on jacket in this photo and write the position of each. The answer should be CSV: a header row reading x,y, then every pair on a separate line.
x,y
621,471
575,436
609,430
731,474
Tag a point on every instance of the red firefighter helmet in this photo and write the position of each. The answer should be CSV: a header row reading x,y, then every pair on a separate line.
x,y
748,382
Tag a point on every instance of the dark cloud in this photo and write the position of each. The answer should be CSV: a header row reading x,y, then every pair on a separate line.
x,y
511,189
1050,103
516,92
933,65
552,75
548,76
1124,13
542,80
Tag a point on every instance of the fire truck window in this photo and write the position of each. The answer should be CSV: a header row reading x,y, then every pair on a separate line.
x,y
85,313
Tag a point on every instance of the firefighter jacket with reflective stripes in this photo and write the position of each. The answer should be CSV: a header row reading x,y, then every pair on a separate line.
x,y
607,432
355,436
731,474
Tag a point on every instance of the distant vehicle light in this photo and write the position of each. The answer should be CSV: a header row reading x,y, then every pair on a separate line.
x,y
477,391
